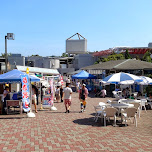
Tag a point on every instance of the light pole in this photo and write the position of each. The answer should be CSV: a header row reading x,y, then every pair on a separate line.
x,y
10,36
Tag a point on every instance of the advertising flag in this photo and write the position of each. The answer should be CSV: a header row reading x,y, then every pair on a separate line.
x,y
51,99
25,92
61,80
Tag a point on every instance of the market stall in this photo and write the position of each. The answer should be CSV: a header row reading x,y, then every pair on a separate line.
x,y
14,76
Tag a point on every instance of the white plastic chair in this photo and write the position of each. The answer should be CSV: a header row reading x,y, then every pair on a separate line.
x,y
109,101
102,104
116,95
109,112
98,112
137,106
130,113
142,104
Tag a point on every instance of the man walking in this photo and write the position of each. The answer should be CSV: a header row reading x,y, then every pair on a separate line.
x,y
67,97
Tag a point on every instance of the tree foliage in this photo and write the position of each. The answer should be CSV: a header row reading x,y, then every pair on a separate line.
x,y
113,57
3,54
147,57
127,55
64,55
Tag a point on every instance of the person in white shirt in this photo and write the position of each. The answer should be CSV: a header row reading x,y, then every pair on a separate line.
x,y
67,97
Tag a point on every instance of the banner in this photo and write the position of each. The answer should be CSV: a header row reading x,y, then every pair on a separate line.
x,y
25,92
62,80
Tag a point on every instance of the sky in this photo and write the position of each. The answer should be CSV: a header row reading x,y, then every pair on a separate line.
x,y
42,26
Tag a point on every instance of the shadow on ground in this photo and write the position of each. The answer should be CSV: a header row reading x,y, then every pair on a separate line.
x,y
12,117
90,122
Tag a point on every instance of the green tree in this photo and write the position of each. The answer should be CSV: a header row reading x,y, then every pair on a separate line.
x,y
8,54
147,57
127,55
120,56
64,55
114,56
104,59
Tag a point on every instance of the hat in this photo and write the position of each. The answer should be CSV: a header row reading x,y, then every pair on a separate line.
x,y
83,84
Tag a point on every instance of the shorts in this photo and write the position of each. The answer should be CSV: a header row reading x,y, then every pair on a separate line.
x,y
67,101
57,96
34,101
83,102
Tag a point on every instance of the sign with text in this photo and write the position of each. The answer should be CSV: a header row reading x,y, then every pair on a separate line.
x,y
25,92
46,103
48,99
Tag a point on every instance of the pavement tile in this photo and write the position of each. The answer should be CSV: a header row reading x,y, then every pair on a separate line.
x,y
74,131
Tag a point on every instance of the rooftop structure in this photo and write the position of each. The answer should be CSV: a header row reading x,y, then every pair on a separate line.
x,y
76,46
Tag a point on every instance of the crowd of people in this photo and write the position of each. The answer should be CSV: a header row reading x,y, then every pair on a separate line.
x,y
64,95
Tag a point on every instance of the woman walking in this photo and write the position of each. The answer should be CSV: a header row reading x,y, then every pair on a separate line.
x,y
83,93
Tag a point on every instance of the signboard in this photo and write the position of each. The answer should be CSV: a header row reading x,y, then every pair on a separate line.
x,y
48,99
25,92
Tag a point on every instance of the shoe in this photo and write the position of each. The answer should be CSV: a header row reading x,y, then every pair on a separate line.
x,y
68,111
84,110
81,111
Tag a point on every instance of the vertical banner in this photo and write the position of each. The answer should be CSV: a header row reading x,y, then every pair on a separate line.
x,y
51,99
25,92
61,80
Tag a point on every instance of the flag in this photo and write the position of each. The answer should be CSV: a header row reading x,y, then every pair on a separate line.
x,y
61,79
25,92
51,99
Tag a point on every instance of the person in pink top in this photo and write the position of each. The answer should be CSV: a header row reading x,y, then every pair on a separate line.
x,y
83,93
67,97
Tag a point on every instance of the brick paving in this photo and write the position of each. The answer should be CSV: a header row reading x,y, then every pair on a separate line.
x,y
74,131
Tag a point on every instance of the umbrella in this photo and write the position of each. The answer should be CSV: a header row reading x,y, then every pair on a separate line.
x,y
122,78
146,80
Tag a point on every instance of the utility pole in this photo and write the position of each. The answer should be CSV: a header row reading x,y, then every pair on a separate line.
x,y
10,36
6,60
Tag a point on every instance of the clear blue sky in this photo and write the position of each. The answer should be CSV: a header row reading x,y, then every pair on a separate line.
x,y
42,26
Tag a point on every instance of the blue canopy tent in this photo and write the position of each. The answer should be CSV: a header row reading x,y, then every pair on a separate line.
x,y
14,76
83,75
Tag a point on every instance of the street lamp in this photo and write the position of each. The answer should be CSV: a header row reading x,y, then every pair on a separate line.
x,y
10,36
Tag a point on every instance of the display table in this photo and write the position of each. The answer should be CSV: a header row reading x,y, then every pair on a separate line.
x,y
14,104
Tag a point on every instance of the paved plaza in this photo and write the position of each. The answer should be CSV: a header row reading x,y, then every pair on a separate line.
x,y
74,131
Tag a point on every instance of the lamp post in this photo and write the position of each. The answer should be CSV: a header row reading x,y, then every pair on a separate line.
x,y
10,36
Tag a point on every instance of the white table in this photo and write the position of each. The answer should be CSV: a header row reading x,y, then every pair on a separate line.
x,y
121,106
129,101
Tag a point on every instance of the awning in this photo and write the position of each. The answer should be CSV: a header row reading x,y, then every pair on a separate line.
x,y
38,70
